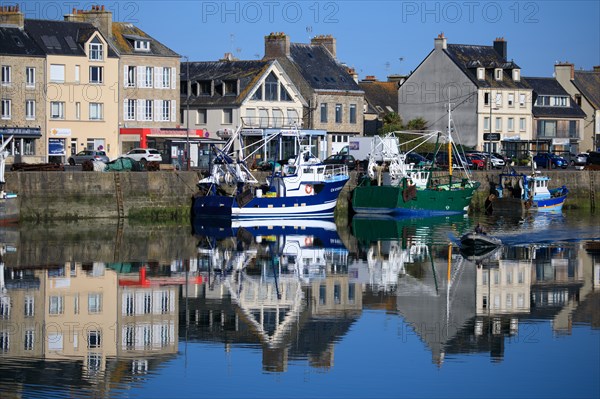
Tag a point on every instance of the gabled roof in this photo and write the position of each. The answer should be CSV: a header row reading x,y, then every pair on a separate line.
x,y
319,69
551,87
246,72
124,35
15,41
470,57
380,96
62,37
588,83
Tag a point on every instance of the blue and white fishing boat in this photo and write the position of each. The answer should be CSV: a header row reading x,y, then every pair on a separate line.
x,y
522,192
304,187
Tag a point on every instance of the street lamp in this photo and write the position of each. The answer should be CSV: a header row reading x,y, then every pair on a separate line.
x,y
187,111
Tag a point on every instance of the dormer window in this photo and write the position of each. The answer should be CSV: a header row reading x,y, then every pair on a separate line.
x,y
96,52
498,73
481,73
142,45
202,88
516,75
230,87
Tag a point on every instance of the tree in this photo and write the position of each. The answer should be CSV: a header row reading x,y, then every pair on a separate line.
x,y
416,124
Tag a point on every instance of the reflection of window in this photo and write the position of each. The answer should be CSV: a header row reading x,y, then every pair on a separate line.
x,y
147,303
94,303
94,339
164,302
4,341
29,306
4,307
55,305
129,337
322,294
29,340
129,305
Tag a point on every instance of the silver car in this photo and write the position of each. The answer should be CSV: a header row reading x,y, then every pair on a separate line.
x,y
144,155
88,155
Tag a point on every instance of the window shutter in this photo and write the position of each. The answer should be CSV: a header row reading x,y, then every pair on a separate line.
x,y
157,109
173,78
157,77
173,111
125,75
125,110
140,109
141,73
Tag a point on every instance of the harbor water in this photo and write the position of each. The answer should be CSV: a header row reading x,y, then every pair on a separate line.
x,y
355,308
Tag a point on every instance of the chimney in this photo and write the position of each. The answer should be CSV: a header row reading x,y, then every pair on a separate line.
x,y
277,45
352,72
564,71
97,16
326,41
500,47
439,43
370,78
12,16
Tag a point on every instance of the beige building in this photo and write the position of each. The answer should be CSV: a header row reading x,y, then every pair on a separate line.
x,y
23,108
81,88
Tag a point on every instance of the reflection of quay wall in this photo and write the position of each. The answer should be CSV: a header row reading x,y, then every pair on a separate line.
x,y
69,195
100,241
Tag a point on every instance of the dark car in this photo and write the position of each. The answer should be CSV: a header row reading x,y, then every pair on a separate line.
x,y
88,155
341,159
416,159
550,160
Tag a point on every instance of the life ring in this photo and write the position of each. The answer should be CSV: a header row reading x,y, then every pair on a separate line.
x,y
308,189
308,241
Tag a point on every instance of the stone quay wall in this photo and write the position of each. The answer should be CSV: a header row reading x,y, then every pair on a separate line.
x,y
72,195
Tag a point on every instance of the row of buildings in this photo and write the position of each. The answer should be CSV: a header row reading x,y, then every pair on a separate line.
x,y
89,82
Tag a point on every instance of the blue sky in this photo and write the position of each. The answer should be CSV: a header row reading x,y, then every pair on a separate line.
x,y
375,37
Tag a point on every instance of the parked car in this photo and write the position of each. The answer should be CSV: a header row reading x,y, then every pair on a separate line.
x,y
550,160
88,155
477,161
417,159
341,159
496,160
144,155
580,160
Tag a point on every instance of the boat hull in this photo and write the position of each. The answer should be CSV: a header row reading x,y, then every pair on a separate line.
x,y
321,204
391,200
9,211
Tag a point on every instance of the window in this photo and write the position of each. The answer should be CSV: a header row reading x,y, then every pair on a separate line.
x,y
230,87
147,110
486,123
542,101
29,340
324,113
561,101
130,110
4,341
283,93
228,116
148,76
94,339
30,76
78,110
352,113
258,95
5,307
57,73
522,124
322,294
498,100
277,117
498,124
263,118
130,78
516,75
96,74
6,109
292,117
511,100
546,128
510,125
166,78
271,85
6,74
129,304
94,303
481,73
486,98
166,110
204,87
573,129
147,303
76,304
338,113
521,100
142,45
201,117
164,302
96,50
77,69
55,305
30,109
29,310
498,73
96,111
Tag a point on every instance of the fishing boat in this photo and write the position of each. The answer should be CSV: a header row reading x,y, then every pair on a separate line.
x,y
304,187
9,202
407,190
521,192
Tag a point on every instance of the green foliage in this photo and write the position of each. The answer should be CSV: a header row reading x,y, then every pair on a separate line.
x,y
416,124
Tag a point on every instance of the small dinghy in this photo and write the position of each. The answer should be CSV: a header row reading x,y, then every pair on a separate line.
x,y
475,243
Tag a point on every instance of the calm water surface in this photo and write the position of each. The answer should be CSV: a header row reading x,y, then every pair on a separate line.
x,y
369,308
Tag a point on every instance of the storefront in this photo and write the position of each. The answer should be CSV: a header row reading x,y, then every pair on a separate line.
x,y
172,144
23,145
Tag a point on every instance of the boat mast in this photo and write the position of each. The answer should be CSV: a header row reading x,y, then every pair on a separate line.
x,y
450,142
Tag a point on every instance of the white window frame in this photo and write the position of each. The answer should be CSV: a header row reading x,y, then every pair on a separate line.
x,y
56,305
498,100
486,123
511,100
498,73
148,76
481,73
166,78
142,45
130,109
78,110
498,124
522,100
96,50
6,75
510,124
100,75
6,108
165,111
522,124
130,75
516,75
29,109
96,112
94,303
148,110
57,73
30,77
202,116
60,108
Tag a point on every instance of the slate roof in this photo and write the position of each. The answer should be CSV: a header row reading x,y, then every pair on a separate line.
x,y
588,83
15,41
551,87
470,57
246,72
62,37
124,34
319,69
380,94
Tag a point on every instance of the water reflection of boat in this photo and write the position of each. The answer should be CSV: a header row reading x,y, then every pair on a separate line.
x,y
478,243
